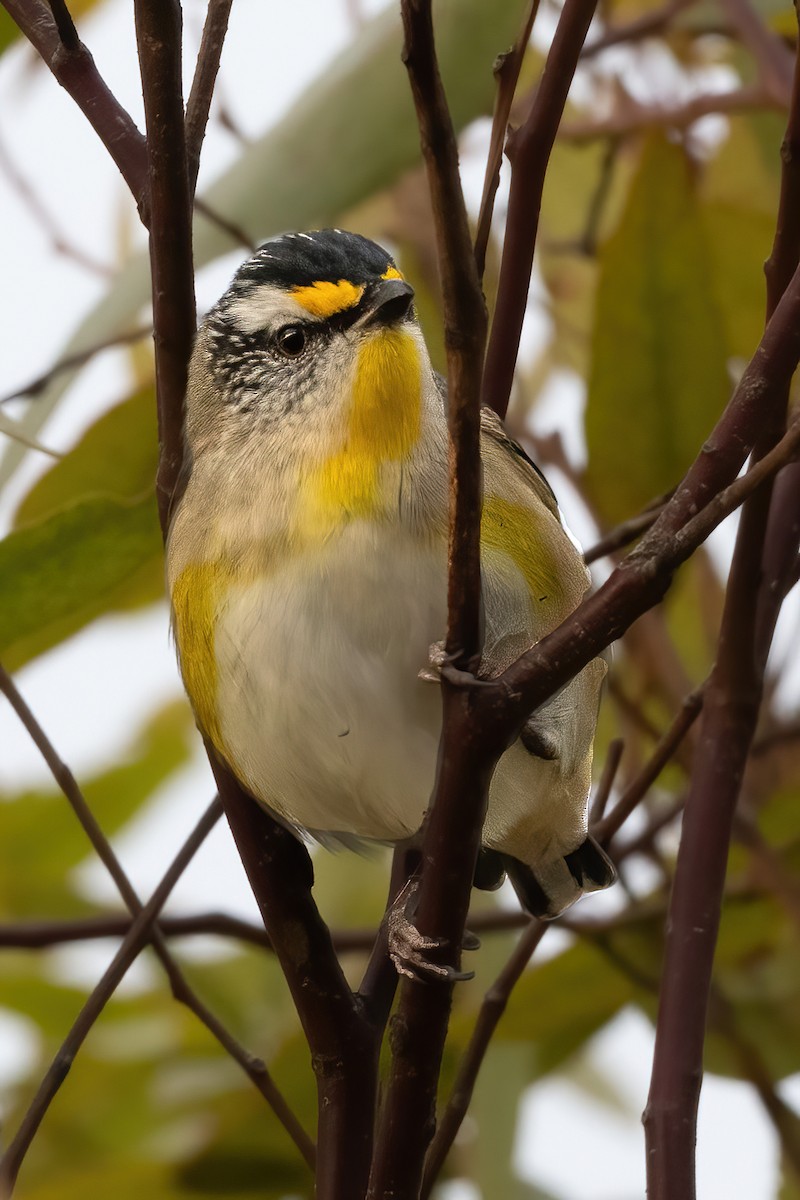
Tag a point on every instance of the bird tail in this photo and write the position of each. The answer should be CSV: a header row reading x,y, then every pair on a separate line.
x,y
558,883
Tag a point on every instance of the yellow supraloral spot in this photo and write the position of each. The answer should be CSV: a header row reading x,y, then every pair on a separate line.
x,y
323,299
382,425
392,273
523,534
197,596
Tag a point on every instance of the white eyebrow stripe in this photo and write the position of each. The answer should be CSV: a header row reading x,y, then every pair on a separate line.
x,y
265,306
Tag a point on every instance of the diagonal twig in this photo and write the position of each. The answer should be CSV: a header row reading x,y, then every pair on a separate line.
x,y
528,150
667,745
75,69
79,359
137,937
506,72
182,990
198,105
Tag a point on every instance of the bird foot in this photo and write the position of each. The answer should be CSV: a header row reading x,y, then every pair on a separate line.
x,y
409,950
438,658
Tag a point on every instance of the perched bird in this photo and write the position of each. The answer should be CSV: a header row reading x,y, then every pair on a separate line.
x,y
307,568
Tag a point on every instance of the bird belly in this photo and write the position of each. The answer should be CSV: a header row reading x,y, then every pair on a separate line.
x,y
321,714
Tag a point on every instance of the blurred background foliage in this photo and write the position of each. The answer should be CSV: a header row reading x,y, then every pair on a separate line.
x,y
648,297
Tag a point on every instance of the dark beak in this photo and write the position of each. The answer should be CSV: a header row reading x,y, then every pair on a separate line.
x,y
385,302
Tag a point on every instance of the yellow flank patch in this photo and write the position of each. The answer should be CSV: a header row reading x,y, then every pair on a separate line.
x,y
381,425
392,273
196,599
323,299
527,536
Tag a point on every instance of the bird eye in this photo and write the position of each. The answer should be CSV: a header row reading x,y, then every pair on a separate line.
x,y
291,340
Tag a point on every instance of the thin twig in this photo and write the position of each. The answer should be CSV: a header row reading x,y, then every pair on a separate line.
x,y
633,117
775,60
79,359
74,68
603,790
64,24
138,935
198,105
528,149
640,581
506,71
636,30
639,786
36,207
624,533
491,1010
182,990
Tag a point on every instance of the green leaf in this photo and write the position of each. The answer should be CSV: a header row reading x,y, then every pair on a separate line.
x,y
58,574
9,30
658,374
351,133
117,457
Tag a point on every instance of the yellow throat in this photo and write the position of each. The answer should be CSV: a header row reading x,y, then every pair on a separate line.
x,y
382,425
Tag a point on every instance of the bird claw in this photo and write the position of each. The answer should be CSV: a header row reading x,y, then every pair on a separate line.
x,y
408,948
438,659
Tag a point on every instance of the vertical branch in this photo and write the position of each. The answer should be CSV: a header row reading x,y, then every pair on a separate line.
x,y
466,753
529,150
344,1050
464,329
158,34
728,723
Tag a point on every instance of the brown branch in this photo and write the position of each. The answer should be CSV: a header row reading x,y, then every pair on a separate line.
x,y
181,989
491,1010
74,68
774,59
506,71
137,937
624,533
529,150
344,1050
603,790
343,1046
158,36
731,708
38,935
636,30
64,24
632,117
643,842
198,105
237,233
79,359
644,576
452,831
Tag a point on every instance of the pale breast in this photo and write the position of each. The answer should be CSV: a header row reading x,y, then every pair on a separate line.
x,y
319,707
